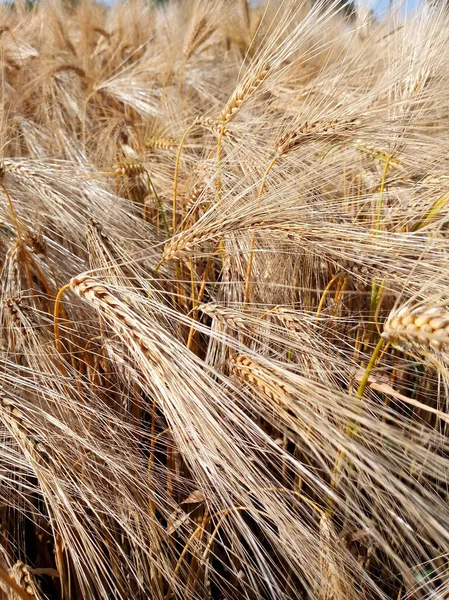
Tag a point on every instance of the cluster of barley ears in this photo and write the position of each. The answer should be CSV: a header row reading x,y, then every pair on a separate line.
x,y
224,253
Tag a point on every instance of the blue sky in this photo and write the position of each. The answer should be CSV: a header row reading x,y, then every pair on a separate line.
x,y
379,6
408,5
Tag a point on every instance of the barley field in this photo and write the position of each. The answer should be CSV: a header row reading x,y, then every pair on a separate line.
x,y
224,253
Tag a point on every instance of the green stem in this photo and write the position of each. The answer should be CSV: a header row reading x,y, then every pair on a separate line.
x,y
369,368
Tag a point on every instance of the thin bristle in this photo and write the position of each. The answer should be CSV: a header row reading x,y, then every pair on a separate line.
x,y
224,313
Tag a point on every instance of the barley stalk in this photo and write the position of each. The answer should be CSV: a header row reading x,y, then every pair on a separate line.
x,y
311,464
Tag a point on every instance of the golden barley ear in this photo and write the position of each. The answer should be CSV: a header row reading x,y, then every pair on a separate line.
x,y
422,325
24,577
128,168
161,143
256,375
316,130
243,92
